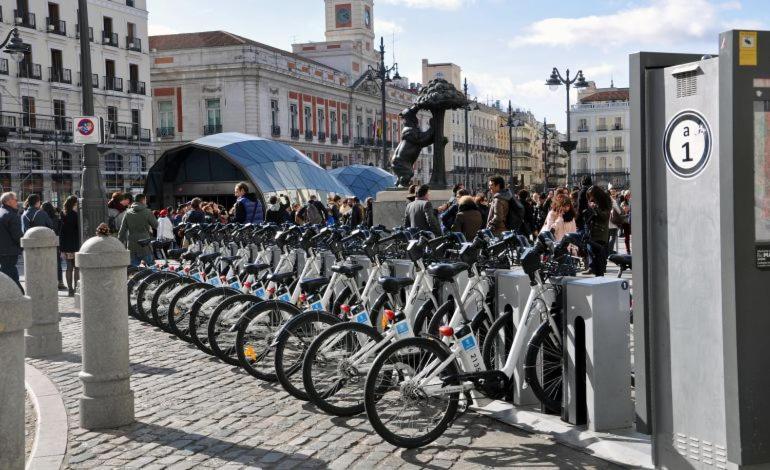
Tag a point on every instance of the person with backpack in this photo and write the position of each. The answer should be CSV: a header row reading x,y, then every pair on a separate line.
x,y
136,226
309,214
195,215
248,208
319,207
116,209
34,216
506,212
420,213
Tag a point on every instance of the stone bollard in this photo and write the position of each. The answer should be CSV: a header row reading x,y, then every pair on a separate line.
x,y
40,264
107,399
15,315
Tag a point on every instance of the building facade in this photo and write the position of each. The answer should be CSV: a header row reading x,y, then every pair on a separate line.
x,y
40,94
317,98
600,125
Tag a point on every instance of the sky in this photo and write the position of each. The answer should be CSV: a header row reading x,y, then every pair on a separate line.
x,y
506,48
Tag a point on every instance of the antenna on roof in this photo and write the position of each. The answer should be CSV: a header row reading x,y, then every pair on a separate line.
x,y
393,45
612,82
294,39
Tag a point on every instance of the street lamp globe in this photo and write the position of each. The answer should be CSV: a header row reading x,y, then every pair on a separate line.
x,y
16,47
581,80
553,81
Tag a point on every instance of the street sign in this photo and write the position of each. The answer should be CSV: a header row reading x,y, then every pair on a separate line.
x,y
687,144
87,130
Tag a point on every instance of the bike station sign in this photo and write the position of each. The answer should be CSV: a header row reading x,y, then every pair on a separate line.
x,y
687,144
87,130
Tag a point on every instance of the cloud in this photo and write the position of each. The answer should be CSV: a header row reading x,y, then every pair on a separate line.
x,y
386,28
660,21
159,29
433,4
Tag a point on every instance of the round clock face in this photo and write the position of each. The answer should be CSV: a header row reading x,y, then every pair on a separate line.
x,y
343,16
368,18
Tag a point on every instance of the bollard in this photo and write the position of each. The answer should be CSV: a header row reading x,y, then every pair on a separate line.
x,y
15,315
107,399
43,338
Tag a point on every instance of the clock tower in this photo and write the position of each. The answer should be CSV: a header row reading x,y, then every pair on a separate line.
x,y
351,20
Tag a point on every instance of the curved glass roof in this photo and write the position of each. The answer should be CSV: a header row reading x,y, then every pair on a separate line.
x,y
363,180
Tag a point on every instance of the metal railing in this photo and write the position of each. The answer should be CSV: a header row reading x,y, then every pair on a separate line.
x,y
617,148
24,18
164,132
58,75
209,129
275,131
617,127
333,138
582,129
308,135
113,83
127,131
136,87
345,139
603,149
94,80
56,26
322,136
110,39
90,32
30,70
601,128
133,44
18,124
295,134
582,150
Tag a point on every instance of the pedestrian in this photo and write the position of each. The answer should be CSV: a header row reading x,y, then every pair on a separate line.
x,y
136,226
333,209
482,205
528,224
420,213
501,198
582,200
69,241
561,218
616,220
115,207
369,212
345,209
447,217
165,229
33,216
248,208
294,214
10,236
626,226
195,215
49,209
468,219
273,213
599,206
309,214
319,206
356,216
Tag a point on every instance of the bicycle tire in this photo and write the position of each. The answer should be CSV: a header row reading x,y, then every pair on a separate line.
x,y
199,316
220,324
155,279
549,394
375,390
423,317
322,398
494,350
258,362
132,285
441,317
376,315
166,291
177,314
289,355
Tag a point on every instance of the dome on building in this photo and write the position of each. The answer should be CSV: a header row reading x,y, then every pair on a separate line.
x,y
364,181
210,166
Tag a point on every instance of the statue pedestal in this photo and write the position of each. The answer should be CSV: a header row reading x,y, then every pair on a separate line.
x,y
389,205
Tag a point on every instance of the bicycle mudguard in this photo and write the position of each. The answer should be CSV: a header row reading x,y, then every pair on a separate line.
x,y
249,315
299,317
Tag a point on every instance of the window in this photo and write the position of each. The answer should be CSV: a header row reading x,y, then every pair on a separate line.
x,y
308,119
165,115
28,110
274,113
618,146
30,160
582,125
321,120
359,125
603,163
584,164
583,144
369,128
333,121
135,122
344,124
59,115
113,163
213,113
293,116
602,144
619,163
112,119
618,123
601,124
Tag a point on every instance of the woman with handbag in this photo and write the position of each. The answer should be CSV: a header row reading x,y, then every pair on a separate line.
x,y
617,219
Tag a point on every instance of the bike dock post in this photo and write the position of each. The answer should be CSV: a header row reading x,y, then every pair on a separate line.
x,y
43,338
107,400
597,361
15,316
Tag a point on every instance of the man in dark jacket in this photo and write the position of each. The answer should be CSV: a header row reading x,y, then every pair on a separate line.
x,y
33,216
195,215
420,213
136,226
356,213
10,236
318,205
585,183
498,211
248,208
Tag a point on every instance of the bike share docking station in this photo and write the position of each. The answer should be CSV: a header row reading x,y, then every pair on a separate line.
x,y
701,218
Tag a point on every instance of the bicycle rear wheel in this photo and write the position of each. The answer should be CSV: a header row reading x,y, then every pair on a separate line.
x,y
257,330
224,317
179,309
161,301
543,366
200,313
146,292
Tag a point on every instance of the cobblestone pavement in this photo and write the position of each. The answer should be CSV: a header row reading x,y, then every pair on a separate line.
x,y
195,412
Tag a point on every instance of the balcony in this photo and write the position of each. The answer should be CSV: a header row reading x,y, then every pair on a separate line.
x,y
295,134
275,131
359,142
57,75
602,149
582,150
3,66
582,129
94,80
90,32
110,39
29,70
345,139
113,83
308,135
56,26
136,87
24,19
322,136
133,44
28,125
618,148
617,127
212,129
601,128
370,141
165,132
128,131
333,138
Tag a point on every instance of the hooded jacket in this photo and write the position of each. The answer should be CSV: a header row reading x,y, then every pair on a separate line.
x,y
248,209
498,212
10,231
274,214
468,220
136,226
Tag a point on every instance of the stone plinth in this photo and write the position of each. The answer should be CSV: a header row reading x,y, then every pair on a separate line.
x,y
43,338
389,205
107,399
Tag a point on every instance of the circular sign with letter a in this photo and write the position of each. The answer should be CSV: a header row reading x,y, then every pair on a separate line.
x,y
687,144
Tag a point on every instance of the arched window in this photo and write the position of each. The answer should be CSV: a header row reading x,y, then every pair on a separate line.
x,y
113,162
603,163
30,160
584,164
61,163
5,160
619,163
137,163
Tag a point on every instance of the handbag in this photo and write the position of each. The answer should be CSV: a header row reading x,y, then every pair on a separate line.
x,y
617,218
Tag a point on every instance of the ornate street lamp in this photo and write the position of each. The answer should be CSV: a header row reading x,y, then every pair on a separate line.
x,y
471,106
381,75
14,46
553,82
510,123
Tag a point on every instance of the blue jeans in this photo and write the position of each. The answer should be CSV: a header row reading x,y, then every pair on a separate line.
x,y
8,267
136,259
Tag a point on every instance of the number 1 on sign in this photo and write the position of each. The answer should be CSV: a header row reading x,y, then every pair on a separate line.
x,y
686,147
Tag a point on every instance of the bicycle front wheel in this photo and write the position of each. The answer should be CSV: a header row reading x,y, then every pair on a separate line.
x,y
543,366
403,411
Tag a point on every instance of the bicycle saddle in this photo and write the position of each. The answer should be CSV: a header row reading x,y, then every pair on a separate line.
x,y
281,278
255,268
313,285
208,258
229,259
623,262
393,285
176,253
348,270
447,271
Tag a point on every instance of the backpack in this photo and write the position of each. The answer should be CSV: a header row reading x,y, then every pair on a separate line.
x,y
311,214
515,218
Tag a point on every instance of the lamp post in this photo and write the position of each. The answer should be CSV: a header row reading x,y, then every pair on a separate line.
x,y
510,123
553,82
471,106
93,210
381,75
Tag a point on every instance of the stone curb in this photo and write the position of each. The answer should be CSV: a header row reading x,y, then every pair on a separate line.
x,y
50,445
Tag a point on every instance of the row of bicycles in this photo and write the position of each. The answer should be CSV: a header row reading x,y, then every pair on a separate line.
x,y
398,324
